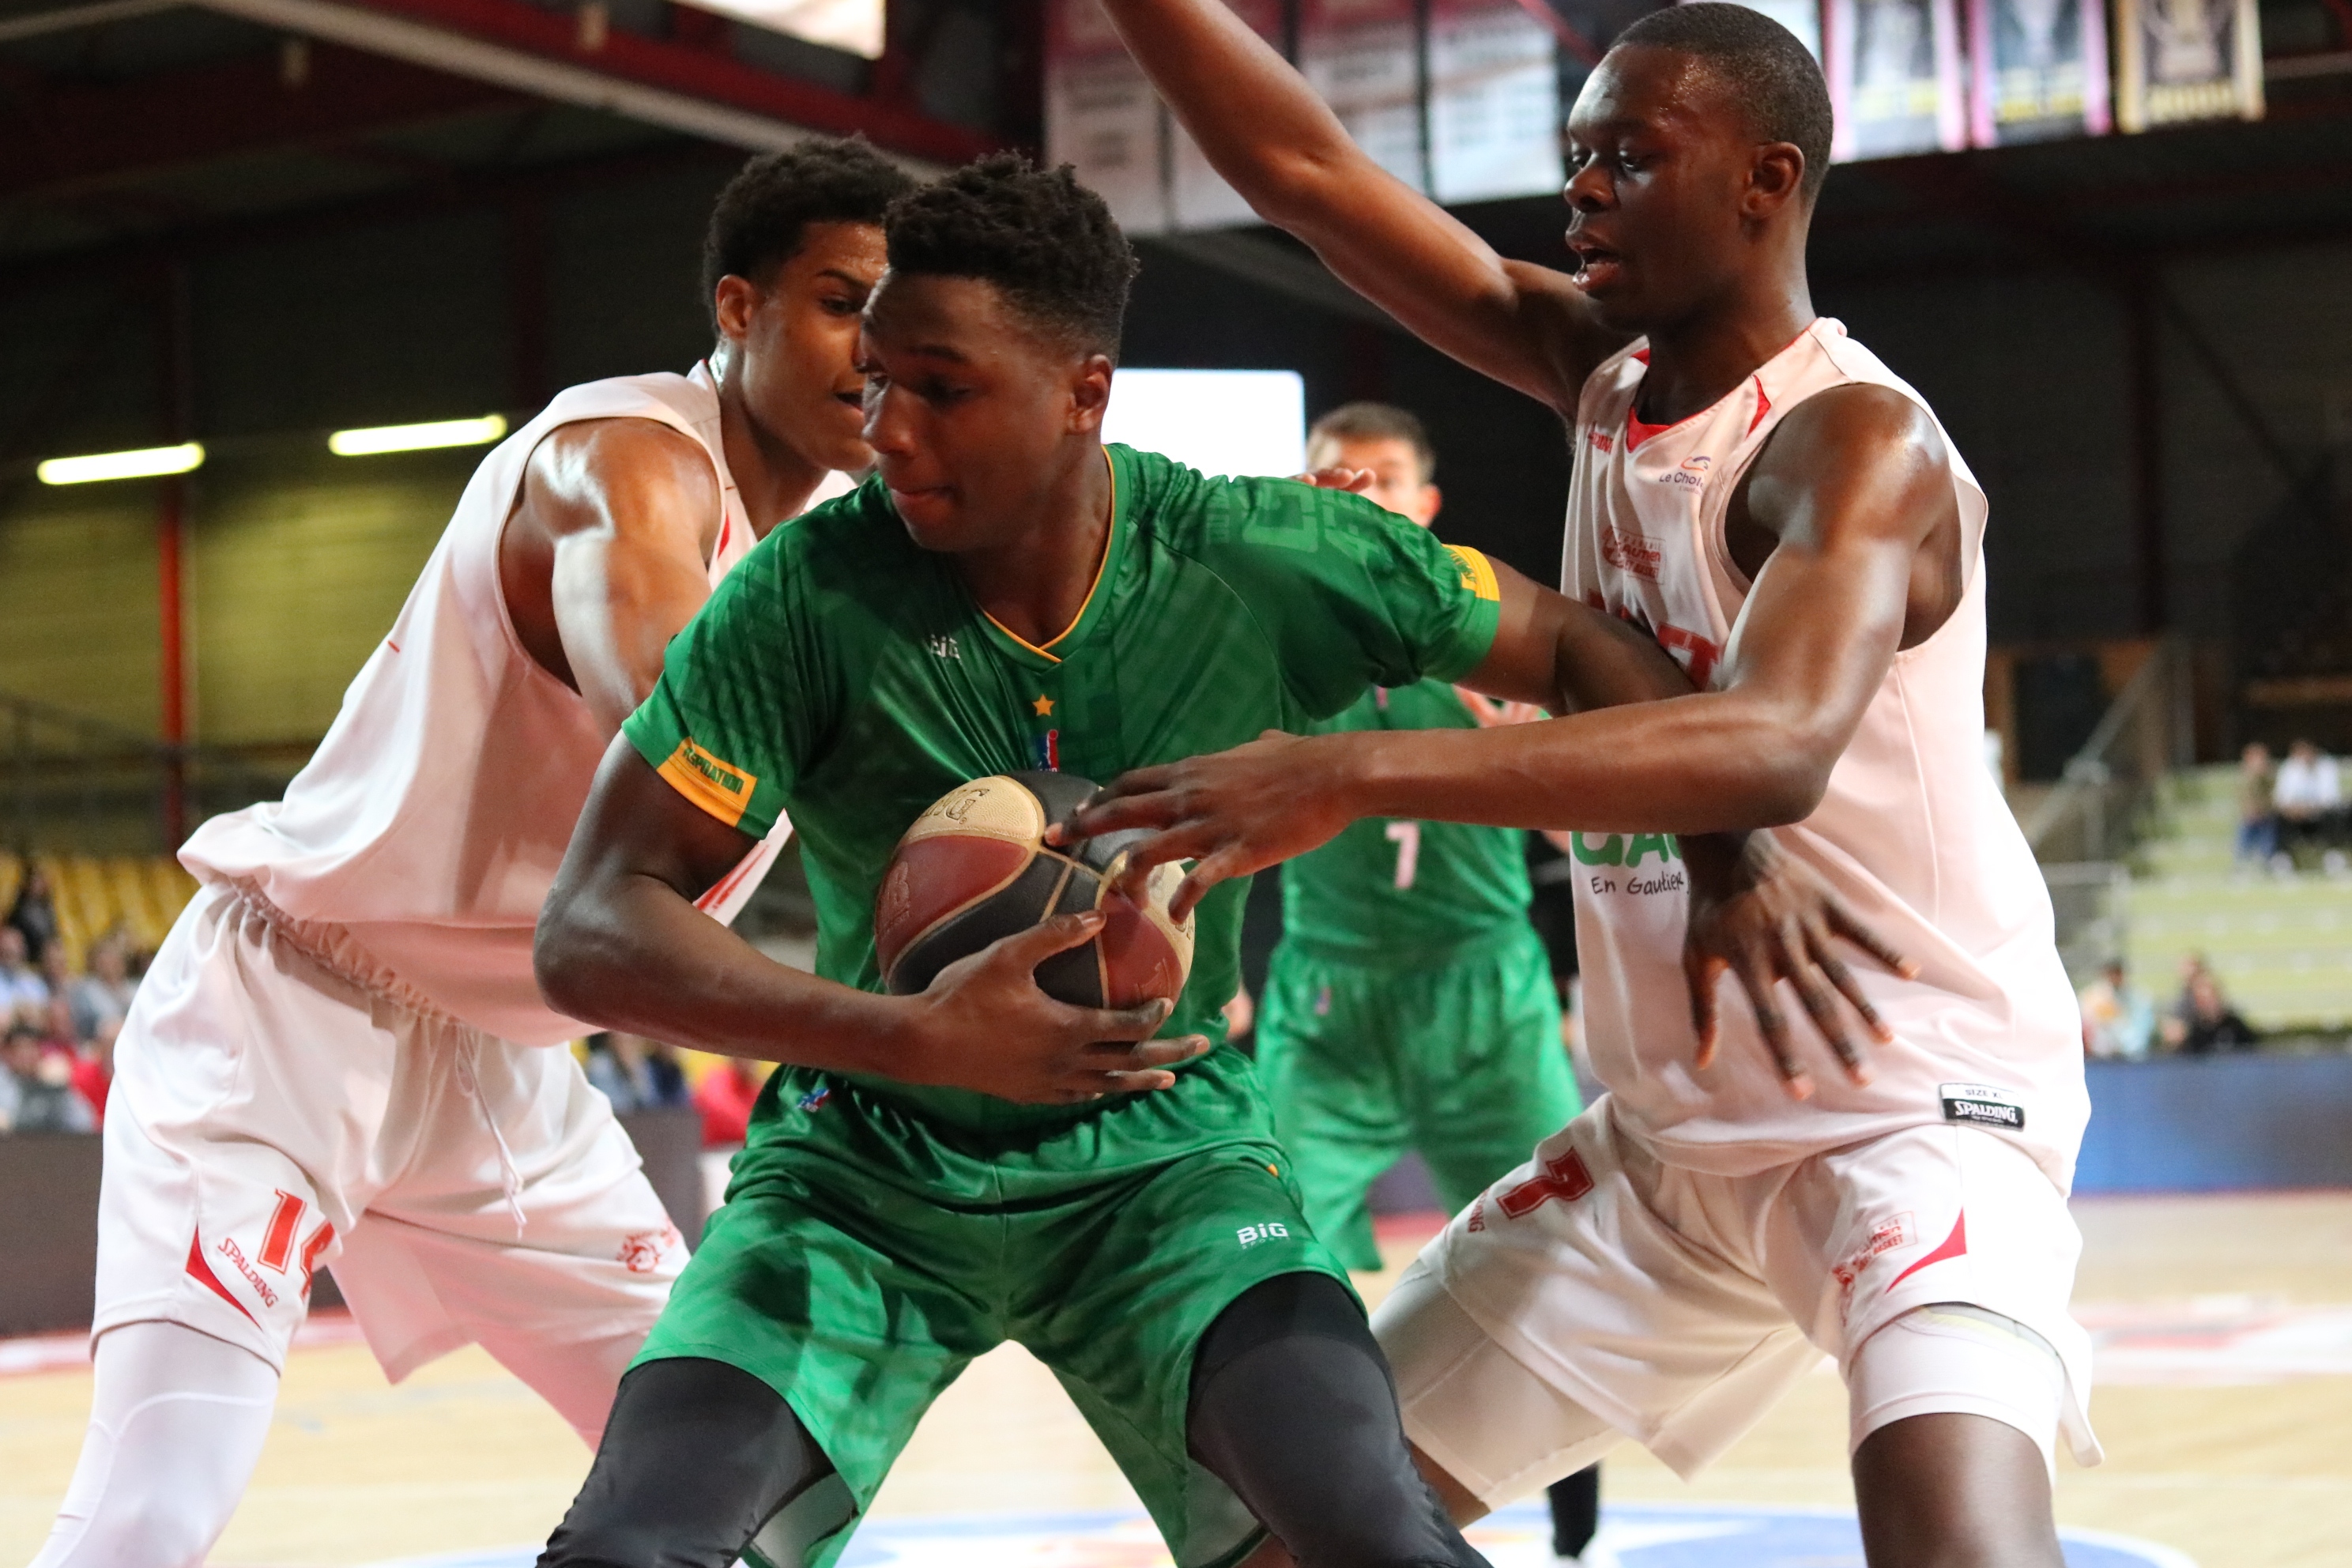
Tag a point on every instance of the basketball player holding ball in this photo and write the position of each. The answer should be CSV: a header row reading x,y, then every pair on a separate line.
x,y
1783,512
340,1056
1006,595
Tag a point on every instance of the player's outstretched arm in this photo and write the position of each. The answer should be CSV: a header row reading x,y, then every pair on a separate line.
x,y
620,945
1281,147
1855,487
607,555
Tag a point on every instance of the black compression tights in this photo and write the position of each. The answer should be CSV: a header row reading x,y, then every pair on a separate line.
x,y
1291,1406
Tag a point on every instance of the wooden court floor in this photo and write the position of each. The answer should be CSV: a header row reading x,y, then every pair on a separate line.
x,y
2224,1401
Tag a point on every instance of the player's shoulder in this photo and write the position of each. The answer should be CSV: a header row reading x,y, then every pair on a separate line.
x,y
665,395
1250,519
848,548
1609,390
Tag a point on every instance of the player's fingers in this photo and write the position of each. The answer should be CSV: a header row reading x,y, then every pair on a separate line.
x,y
1699,972
1129,1083
1211,870
1842,977
1852,927
1355,480
1126,1051
1764,999
1028,948
1110,812
1819,998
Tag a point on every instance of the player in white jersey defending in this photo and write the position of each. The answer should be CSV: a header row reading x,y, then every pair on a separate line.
x,y
340,1055
1787,518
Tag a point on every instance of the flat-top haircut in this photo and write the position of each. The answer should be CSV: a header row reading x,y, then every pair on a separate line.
x,y
1375,422
763,214
1045,240
1768,71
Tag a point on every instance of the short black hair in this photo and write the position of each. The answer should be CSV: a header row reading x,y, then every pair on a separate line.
x,y
765,212
1048,242
1376,422
1763,63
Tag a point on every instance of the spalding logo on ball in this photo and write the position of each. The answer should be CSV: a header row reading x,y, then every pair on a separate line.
x,y
976,868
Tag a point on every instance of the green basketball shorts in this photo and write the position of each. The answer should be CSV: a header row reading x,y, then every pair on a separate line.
x,y
866,1252
1462,1061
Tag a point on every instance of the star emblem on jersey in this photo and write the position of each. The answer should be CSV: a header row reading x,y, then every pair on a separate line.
x,y
1043,707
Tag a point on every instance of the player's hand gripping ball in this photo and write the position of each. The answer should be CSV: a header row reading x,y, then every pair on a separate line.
x,y
976,867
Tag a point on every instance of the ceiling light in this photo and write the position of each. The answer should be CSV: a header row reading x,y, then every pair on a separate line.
x,y
417,437
145,463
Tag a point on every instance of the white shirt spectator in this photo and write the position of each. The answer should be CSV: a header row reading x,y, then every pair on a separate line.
x,y
2308,785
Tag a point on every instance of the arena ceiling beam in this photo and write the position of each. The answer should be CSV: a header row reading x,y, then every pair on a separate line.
x,y
80,143
555,54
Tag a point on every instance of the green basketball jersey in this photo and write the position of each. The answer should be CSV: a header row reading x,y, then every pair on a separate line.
x,y
1402,892
844,676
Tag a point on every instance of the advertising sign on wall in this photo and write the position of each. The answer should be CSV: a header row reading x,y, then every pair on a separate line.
x,y
2041,70
1363,59
1494,103
1102,117
1895,78
2187,60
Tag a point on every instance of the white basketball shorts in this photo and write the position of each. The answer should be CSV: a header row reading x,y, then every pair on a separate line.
x,y
1595,1291
272,1116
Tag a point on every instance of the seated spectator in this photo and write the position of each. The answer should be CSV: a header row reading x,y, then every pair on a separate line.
x,y
725,1097
101,997
42,1082
636,1073
56,979
22,990
34,916
2118,1017
2258,823
2309,795
2204,1022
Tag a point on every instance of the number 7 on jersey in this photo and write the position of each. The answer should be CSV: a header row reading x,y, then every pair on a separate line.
x,y
1406,836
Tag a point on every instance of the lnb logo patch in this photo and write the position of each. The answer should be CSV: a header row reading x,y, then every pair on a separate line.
x,y
1981,1105
1272,1230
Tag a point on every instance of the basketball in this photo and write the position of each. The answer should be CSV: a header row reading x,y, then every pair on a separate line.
x,y
975,866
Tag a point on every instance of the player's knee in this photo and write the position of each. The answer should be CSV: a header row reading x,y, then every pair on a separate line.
x,y
149,1533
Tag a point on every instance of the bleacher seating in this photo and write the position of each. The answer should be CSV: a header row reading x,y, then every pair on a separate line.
x,y
2278,943
141,893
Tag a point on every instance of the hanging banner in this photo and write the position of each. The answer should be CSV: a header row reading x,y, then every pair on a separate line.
x,y
2187,60
1102,117
1494,103
1895,78
2041,70
1363,57
1197,196
1803,17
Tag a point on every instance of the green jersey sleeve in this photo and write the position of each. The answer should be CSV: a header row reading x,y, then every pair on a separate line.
x,y
1353,596
734,713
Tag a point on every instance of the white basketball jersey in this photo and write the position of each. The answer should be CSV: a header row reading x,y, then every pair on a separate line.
x,y
430,822
1913,832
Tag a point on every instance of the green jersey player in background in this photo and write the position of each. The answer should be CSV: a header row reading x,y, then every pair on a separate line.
x,y
933,1175
1409,1004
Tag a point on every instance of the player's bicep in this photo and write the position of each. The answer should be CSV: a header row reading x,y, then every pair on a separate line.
x,y
1523,324
640,822
632,506
1858,493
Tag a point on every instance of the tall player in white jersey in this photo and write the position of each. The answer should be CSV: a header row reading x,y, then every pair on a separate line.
x,y
1787,519
340,1055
